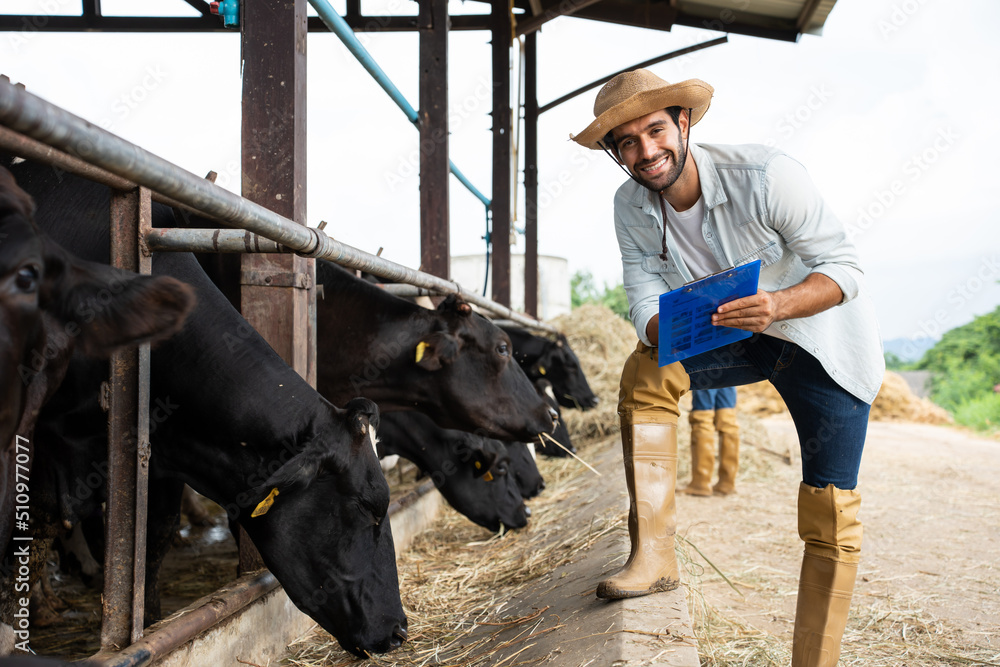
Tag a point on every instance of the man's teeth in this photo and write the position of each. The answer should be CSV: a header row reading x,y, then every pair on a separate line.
x,y
654,167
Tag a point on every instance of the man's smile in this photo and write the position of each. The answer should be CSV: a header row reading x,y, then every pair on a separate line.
x,y
656,166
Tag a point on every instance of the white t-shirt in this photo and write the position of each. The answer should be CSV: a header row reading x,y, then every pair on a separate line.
x,y
686,228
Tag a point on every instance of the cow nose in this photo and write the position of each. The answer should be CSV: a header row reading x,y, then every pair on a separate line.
x,y
554,415
398,636
527,511
595,401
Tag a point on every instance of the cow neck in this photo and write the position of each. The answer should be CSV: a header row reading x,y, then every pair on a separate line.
x,y
239,389
366,336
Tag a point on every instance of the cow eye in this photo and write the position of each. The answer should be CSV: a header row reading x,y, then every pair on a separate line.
x,y
503,350
27,279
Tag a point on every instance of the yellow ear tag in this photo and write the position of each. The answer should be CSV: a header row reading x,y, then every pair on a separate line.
x,y
541,369
488,477
421,346
265,504
478,465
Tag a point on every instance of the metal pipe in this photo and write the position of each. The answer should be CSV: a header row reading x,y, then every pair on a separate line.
x,y
210,240
22,146
339,27
188,623
242,241
26,113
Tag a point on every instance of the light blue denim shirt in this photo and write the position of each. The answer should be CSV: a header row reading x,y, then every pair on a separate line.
x,y
760,204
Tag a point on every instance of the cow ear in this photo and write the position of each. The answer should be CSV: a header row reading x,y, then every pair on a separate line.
x,y
297,473
436,350
455,304
13,199
483,462
106,308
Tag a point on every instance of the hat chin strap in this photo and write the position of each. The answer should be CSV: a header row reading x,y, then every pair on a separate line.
x,y
687,144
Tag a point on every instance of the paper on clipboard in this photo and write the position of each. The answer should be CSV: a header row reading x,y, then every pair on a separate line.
x,y
686,327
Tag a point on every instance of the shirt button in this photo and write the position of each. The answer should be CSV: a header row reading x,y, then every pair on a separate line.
x,y
784,327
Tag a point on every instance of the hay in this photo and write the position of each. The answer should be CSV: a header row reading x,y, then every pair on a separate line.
x,y
895,402
602,341
457,578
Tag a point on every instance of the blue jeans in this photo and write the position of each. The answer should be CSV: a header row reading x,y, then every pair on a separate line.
x,y
830,421
713,399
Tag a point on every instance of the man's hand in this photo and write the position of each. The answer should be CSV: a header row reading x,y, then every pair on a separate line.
x,y
751,313
755,313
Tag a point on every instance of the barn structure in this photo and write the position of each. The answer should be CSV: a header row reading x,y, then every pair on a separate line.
x,y
268,221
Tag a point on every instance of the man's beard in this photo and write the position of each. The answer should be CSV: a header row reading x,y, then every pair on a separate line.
x,y
663,181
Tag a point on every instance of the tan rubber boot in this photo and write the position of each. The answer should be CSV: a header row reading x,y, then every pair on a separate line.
x,y
702,453
651,474
729,450
828,524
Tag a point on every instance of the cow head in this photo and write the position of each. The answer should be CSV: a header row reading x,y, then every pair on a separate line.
x,y
475,369
524,470
52,303
558,443
471,472
320,522
560,366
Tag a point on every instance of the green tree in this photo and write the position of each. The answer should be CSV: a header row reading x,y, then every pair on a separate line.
x,y
584,290
965,368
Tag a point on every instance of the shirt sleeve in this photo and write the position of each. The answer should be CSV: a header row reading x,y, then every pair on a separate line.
x,y
808,225
642,288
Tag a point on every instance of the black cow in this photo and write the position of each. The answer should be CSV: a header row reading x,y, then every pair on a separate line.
x,y
450,363
474,474
241,427
553,360
52,303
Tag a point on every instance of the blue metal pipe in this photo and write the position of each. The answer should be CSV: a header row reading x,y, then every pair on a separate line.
x,y
339,27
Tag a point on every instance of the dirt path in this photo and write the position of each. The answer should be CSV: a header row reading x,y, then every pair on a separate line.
x,y
929,586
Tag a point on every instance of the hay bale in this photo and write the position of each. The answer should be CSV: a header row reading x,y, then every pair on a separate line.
x,y
602,341
895,402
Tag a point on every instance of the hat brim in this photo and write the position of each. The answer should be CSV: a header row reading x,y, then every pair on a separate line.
x,y
692,94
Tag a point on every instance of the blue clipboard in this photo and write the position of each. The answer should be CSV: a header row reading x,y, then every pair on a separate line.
x,y
686,327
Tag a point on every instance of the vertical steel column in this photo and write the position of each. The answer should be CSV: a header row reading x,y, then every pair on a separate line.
x,y
128,445
277,290
531,174
433,122
501,30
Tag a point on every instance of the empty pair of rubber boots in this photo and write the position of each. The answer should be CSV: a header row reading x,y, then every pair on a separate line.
x,y
704,425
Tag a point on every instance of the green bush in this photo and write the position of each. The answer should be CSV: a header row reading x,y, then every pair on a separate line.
x,y
584,291
965,366
981,413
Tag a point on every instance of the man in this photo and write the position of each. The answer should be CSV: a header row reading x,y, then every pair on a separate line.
x,y
689,210
713,410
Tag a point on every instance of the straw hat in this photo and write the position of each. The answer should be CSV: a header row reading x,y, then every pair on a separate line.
x,y
634,94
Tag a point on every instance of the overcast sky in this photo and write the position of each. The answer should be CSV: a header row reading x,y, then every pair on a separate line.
x,y
893,111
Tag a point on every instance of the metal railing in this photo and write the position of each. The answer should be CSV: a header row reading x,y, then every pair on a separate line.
x,y
57,128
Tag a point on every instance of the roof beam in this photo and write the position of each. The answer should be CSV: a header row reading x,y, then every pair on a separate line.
x,y
201,6
658,16
555,10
